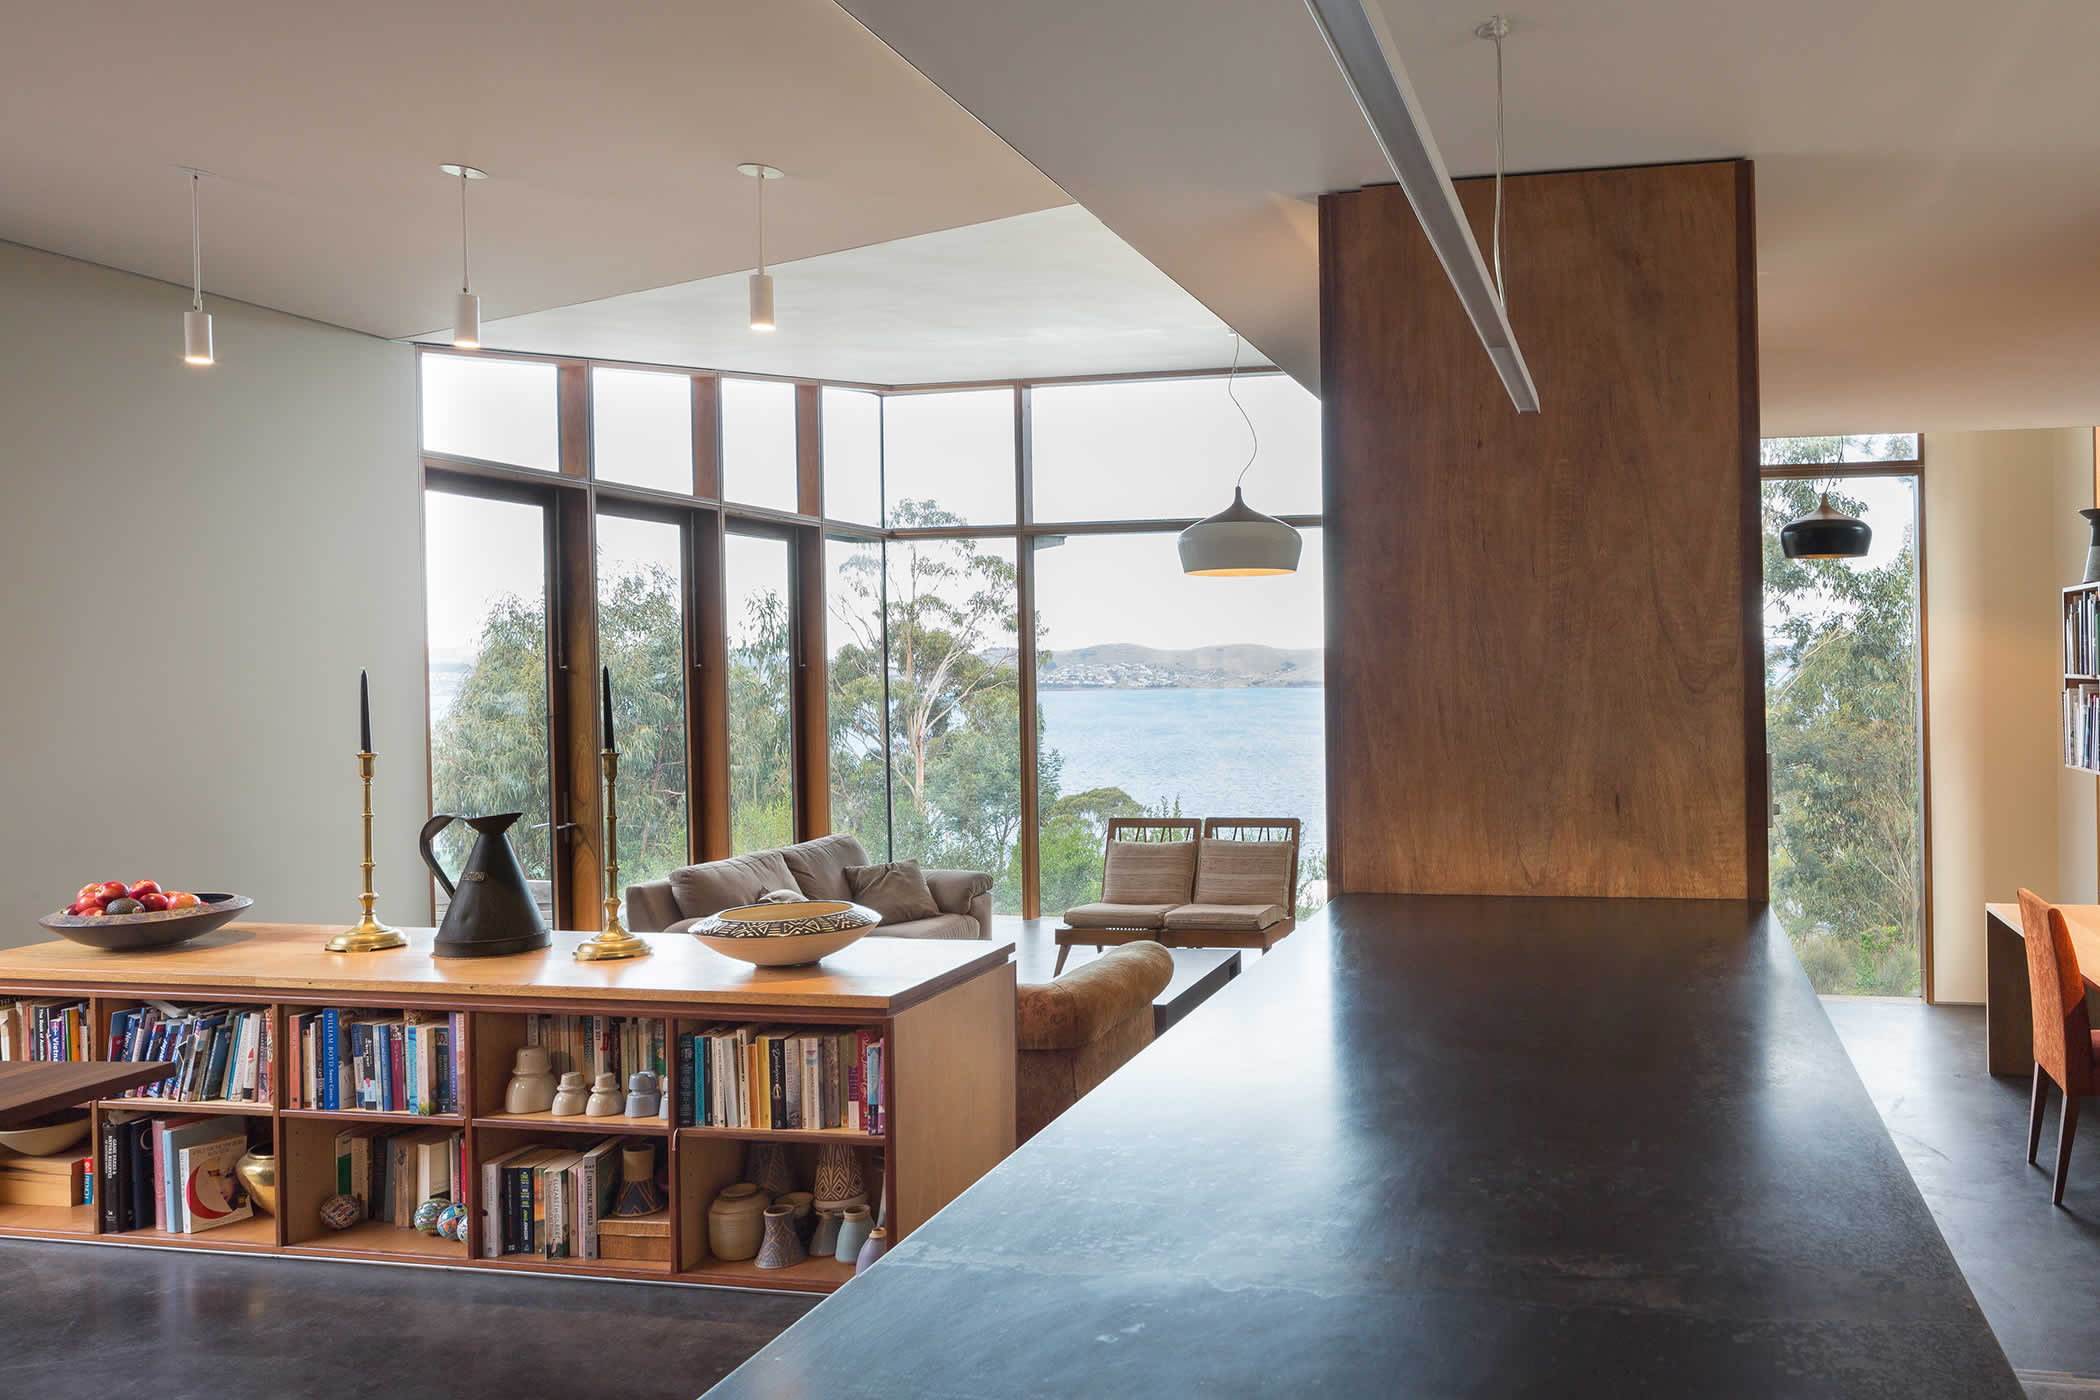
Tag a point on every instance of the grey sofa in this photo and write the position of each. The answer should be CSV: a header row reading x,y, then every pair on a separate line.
x,y
817,869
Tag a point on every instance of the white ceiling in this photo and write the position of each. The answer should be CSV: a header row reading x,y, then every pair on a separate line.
x,y
1033,296
1928,172
611,132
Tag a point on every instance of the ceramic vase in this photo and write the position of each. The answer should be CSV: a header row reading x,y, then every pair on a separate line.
x,y
824,1240
878,1244
854,1228
782,1246
839,1182
531,1083
571,1096
2092,552
604,1101
805,1208
639,1193
641,1095
766,1163
733,1221
257,1171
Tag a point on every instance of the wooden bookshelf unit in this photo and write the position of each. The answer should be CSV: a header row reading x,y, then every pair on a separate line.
x,y
944,1008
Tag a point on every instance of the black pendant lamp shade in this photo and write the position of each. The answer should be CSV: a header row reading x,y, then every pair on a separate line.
x,y
1825,534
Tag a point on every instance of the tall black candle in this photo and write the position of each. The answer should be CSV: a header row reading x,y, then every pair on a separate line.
x,y
364,714
605,683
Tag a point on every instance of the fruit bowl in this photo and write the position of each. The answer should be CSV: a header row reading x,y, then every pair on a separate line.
x,y
785,935
127,933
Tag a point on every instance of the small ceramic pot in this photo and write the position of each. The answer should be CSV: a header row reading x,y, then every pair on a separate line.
x,y
805,1208
854,1228
257,1170
839,1181
766,1163
604,1101
641,1095
639,1193
531,1083
733,1221
570,1097
824,1240
878,1244
782,1246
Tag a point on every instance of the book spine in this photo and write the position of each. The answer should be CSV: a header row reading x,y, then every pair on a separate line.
x,y
688,1088
331,1030
140,1145
776,1061
112,1218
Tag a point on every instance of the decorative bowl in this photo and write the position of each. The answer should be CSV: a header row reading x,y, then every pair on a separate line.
x,y
49,1138
127,933
785,935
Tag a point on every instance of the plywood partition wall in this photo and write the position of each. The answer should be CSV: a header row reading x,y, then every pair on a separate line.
x,y
1544,667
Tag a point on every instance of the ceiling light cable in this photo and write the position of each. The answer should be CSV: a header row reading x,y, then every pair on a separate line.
x,y
1497,29
1253,436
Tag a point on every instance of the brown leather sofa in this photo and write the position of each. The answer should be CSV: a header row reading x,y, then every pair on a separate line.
x,y
817,869
1073,1033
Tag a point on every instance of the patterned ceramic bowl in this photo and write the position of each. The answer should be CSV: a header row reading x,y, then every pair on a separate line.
x,y
785,935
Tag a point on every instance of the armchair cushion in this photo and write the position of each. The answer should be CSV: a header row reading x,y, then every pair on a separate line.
x,y
1148,872
701,890
1233,918
954,890
897,891
1243,872
1117,916
819,866
1093,998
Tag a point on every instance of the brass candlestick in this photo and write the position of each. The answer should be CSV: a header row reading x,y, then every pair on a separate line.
x,y
367,935
612,941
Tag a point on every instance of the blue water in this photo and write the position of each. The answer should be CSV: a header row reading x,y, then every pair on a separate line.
x,y
1224,753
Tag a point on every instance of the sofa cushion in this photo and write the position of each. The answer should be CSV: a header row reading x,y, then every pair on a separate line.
x,y
954,890
897,891
1149,872
939,926
1226,918
724,884
1243,872
819,866
1085,1003
1117,916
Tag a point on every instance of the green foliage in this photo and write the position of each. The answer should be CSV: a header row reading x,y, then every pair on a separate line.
x,y
761,728
1841,698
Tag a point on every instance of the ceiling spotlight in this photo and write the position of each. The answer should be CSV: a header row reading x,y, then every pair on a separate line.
x,y
196,322
761,280
466,308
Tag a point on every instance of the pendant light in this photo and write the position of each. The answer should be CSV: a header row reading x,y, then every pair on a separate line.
x,y
1825,533
1239,541
466,308
196,322
761,280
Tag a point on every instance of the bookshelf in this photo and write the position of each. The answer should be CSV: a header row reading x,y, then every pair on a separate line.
x,y
2081,689
944,1010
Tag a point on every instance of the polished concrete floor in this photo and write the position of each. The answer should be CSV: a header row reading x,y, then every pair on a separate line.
x,y
2035,1269
182,1324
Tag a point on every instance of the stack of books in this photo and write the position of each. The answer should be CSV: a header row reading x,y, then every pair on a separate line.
x,y
395,1171
595,1045
781,1077
2082,634
2082,725
222,1053
547,1201
45,1030
170,1172
378,1061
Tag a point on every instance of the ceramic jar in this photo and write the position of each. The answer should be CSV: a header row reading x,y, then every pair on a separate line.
x,y
733,1221
570,1096
824,1240
804,1206
782,1246
639,1193
604,1101
257,1171
855,1227
766,1163
878,1245
839,1182
531,1082
641,1095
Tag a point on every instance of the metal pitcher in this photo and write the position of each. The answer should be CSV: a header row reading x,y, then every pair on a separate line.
x,y
492,912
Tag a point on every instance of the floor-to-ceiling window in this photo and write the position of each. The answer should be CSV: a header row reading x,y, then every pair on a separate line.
x,y
758,585
1844,711
641,642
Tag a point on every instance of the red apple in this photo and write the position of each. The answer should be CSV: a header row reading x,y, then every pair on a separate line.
x,y
143,888
88,892
183,900
152,901
111,889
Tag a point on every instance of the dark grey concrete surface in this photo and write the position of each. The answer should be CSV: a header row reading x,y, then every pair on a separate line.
x,y
2035,1269
1442,1147
186,1325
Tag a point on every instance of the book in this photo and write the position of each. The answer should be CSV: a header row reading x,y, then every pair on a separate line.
x,y
114,1172
598,1182
212,1193
139,1143
492,1216
176,1137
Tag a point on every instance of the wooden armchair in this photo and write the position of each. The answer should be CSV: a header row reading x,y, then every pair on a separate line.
x,y
1234,886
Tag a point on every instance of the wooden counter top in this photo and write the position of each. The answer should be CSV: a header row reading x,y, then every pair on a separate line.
x,y
876,974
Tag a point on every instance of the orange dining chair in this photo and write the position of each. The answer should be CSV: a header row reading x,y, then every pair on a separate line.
x,y
2065,1047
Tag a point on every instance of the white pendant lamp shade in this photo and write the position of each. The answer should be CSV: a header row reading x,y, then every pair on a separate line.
x,y
1240,542
196,322
761,280
196,337
466,307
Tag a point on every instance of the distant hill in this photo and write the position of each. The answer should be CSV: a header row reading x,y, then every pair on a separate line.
x,y
1127,666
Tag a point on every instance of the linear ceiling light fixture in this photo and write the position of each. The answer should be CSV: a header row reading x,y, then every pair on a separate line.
x,y
1371,66
761,280
196,322
466,309
1239,541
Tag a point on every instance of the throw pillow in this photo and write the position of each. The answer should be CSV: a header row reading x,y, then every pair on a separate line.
x,y
896,891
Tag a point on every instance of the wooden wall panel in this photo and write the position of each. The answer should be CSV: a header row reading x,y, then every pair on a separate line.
x,y
1544,673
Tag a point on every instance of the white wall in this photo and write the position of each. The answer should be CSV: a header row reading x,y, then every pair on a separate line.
x,y
2001,540
195,563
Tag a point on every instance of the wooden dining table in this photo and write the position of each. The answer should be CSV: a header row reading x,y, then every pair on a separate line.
x,y
32,1088
2007,1001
